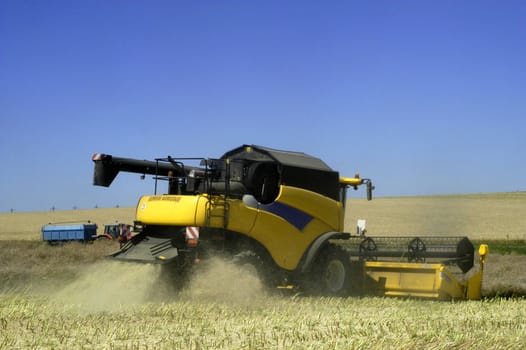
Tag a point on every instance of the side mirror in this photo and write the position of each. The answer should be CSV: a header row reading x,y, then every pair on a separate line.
x,y
370,189
360,227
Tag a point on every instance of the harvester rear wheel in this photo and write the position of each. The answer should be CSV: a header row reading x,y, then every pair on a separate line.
x,y
333,271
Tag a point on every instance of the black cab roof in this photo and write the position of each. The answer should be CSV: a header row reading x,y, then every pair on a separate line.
x,y
296,169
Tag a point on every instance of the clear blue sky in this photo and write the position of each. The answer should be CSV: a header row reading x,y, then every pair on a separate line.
x,y
424,97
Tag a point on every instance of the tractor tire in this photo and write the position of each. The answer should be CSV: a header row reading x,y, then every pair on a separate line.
x,y
102,238
172,278
251,263
332,273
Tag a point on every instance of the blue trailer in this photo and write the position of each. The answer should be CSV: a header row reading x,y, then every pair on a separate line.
x,y
55,233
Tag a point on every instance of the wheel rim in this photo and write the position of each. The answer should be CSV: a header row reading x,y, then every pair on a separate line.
x,y
334,275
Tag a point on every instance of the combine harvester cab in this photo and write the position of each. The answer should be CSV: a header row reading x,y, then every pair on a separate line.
x,y
282,213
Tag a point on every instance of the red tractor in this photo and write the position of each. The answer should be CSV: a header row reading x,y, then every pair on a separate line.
x,y
117,231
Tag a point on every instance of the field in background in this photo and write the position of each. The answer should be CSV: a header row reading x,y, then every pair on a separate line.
x,y
478,216
27,225
69,296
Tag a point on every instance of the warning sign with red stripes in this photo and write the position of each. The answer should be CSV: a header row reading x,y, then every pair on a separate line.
x,y
192,232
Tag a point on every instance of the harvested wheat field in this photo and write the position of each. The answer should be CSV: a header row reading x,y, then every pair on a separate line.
x,y
71,297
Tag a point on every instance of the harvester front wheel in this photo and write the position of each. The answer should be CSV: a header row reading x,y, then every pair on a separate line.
x,y
251,263
254,265
333,271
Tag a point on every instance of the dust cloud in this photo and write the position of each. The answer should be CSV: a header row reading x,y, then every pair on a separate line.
x,y
108,286
221,281
111,286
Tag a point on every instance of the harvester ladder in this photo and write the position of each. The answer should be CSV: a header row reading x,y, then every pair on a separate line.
x,y
217,210
217,206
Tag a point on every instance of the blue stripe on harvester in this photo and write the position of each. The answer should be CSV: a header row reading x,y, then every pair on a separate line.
x,y
296,217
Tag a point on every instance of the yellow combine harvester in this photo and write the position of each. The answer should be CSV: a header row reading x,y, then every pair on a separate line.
x,y
282,213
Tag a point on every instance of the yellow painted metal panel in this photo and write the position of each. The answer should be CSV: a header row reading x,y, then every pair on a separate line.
x,y
414,279
474,286
285,242
242,217
322,208
171,210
